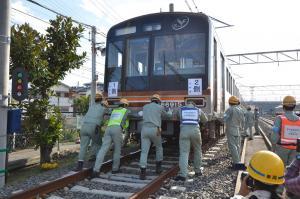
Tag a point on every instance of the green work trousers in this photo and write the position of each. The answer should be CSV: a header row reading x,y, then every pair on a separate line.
x,y
189,134
249,126
287,155
88,133
148,135
113,134
234,143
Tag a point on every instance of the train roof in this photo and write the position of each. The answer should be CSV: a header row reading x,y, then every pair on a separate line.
x,y
154,16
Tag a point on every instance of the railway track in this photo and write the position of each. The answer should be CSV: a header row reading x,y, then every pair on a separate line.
x,y
125,184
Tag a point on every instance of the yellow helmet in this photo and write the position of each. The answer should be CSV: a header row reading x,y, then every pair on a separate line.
x,y
98,96
155,96
289,101
233,100
124,101
266,167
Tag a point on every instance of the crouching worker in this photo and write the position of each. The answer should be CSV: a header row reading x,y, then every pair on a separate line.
x,y
113,134
90,130
265,174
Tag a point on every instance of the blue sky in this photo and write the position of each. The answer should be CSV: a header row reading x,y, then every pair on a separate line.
x,y
258,26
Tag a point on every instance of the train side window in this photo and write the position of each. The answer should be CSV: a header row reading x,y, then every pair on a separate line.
x,y
137,60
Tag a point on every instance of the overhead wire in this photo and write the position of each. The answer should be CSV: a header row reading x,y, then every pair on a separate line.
x,y
195,5
112,13
104,12
188,5
105,2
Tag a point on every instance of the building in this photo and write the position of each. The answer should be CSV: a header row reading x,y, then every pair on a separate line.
x,y
63,98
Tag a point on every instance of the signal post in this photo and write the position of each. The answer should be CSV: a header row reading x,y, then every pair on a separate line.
x,y
4,76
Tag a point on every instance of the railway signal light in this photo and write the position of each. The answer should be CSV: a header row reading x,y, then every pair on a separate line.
x,y
19,84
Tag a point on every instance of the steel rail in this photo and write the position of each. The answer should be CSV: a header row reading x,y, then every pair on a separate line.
x,y
59,183
155,184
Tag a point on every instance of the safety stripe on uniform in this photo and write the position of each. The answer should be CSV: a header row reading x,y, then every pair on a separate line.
x,y
3,150
3,170
256,171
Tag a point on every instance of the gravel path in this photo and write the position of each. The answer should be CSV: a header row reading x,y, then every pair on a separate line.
x,y
217,182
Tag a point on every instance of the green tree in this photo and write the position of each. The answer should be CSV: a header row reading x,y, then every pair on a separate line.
x,y
48,58
81,104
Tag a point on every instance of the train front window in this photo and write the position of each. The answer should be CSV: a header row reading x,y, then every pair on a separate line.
x,y
179,54
137,58
114,64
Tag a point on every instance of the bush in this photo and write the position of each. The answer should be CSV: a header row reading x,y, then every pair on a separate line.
x,y
70,135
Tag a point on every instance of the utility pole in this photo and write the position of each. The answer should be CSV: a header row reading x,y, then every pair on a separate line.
x,y
4,77
94,79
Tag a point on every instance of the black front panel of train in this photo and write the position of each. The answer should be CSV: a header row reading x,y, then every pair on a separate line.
x,y
162,59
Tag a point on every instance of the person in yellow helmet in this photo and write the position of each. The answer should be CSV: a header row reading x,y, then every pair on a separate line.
x,y
91,122
233,118
265,174
151,132
113,134
286,130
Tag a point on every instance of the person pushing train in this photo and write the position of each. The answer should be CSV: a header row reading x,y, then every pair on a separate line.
x,y
151,132
190,116
90,130
113,134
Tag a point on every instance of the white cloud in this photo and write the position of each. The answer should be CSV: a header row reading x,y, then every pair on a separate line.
x,y
21,18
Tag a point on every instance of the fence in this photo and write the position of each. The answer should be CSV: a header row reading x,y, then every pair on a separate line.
x,y
70,133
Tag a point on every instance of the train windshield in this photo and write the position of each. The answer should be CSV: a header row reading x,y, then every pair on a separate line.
x,y
138,56
179,54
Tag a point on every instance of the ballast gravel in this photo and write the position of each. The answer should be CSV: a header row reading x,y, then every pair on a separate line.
x,y
217,182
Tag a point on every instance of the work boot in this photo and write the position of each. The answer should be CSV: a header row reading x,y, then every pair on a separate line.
x,y
179,178
143,174
95,174
79,166
158,167
116,171
92,158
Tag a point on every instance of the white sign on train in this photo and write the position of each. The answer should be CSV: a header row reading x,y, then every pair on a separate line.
x,y
195,87
172,104
113,89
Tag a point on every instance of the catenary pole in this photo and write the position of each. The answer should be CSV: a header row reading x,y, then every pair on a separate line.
x,y
4,75
94,78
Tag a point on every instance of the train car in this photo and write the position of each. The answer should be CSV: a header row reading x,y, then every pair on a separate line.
x,y
174,54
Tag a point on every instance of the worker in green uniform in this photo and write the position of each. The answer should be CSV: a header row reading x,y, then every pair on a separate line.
x,y
249,121
151,132
190,116
113,134
256,117
233,120
91,124
286,130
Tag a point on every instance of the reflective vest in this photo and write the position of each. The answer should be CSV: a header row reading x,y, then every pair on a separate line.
x,y
190,116
290,131
117,117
